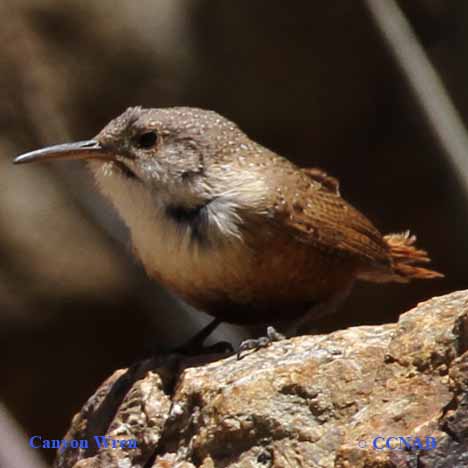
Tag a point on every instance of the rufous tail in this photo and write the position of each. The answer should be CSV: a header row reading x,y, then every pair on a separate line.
x,y
406,257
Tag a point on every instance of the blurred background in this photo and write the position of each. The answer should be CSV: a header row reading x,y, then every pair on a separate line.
x,y
316,83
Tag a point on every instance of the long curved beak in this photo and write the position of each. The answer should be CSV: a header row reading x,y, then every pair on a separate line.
x,y
89,149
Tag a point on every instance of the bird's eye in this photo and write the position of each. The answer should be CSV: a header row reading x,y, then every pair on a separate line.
x,y
147,140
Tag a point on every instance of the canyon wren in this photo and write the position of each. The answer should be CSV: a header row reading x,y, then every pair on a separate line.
x,y
231,227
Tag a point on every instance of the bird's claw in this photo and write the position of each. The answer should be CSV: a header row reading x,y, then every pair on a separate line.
x,y
261,342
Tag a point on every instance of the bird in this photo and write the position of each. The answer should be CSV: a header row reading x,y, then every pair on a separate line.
x,y
231,227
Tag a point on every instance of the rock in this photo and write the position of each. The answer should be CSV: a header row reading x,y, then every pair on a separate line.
x,y
310,401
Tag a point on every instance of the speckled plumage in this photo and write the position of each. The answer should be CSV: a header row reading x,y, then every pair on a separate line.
x,y
233,228
286,241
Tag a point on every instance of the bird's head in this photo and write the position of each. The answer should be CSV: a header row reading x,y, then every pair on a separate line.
x,y
181,159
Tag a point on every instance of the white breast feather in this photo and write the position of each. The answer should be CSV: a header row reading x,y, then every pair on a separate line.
x,y
167,248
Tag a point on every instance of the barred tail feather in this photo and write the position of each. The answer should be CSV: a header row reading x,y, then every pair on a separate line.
x,y
406,257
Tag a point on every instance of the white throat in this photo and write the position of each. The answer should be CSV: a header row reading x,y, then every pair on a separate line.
x,y
173,247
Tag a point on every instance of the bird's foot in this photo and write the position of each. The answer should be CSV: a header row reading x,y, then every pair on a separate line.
x,y
262,342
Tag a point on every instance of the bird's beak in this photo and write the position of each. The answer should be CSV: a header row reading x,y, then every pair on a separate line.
x,y
89,149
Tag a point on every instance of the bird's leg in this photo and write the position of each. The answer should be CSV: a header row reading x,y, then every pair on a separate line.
x,y
298,327
195,344
257,343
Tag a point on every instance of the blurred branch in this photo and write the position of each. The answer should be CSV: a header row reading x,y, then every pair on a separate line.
x,y
431,95
14,450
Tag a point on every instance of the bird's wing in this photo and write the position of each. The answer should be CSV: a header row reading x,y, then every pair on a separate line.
x,y
328,182
316,214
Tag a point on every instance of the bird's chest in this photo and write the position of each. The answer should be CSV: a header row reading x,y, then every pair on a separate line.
x,y
189,264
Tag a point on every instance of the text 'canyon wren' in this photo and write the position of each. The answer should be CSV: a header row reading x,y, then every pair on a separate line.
x,y
231,227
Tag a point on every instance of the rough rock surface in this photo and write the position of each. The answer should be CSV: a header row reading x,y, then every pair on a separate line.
x,y
311,401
